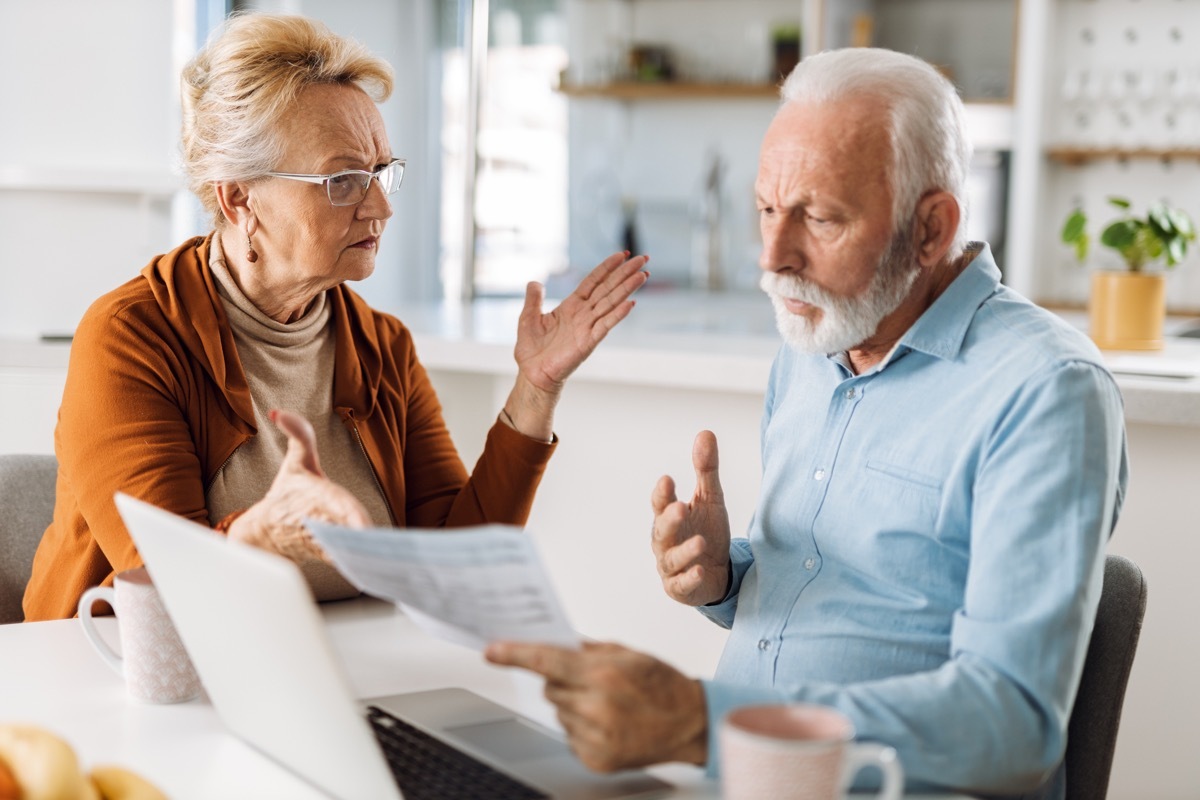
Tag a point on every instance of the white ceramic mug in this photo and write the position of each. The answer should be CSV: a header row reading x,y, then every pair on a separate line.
x,y
155,664
798,751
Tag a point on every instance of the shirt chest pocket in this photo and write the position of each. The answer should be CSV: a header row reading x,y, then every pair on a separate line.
x,y
899,498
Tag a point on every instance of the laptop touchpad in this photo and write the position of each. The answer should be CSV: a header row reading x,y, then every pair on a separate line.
x,y
509,740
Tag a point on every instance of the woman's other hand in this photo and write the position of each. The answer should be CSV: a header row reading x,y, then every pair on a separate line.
x,y
551,346
300,490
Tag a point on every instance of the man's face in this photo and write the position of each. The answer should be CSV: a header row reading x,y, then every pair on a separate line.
x,y
832,264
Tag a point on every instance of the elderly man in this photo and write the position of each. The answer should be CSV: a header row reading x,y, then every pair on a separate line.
x,y
943,463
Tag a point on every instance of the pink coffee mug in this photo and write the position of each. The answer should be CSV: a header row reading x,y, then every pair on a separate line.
x,y
798,751
154,663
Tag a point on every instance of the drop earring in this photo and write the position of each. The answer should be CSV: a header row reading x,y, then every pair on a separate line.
x,y
251,255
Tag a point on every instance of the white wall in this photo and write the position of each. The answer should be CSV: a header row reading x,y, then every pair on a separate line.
x,y
88,148
592,517
1155,758
85,153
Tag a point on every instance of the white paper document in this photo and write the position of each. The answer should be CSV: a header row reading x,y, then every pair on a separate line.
x,y
468,585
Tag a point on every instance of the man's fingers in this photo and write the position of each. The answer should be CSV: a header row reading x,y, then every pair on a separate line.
x,y
681,557
302,442
553,663
683,585
704,459
667,525
663,494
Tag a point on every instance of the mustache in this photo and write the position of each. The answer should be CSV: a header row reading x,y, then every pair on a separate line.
x,y
794,287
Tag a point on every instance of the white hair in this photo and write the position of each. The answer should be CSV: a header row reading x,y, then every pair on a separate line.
x,y
930,149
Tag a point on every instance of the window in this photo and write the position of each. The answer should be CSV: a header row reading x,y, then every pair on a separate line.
x,y
517,231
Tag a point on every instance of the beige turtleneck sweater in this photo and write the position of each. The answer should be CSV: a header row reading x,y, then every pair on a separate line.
x,y
289,366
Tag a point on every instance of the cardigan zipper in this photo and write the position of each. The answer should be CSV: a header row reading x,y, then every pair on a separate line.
x,y
348,416
221,468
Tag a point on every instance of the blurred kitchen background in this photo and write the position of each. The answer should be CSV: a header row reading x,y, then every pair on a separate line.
x,y
542,135
586,126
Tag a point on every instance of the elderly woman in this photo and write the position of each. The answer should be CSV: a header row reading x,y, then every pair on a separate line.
x,y
175,376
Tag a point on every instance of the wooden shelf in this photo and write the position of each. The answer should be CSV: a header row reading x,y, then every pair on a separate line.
x,y
672,90
1075,156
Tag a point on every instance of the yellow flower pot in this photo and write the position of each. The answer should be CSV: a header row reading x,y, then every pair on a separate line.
x,y
1126,310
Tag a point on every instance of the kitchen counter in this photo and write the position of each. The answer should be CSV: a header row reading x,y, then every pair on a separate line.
x,y
726,342
709,342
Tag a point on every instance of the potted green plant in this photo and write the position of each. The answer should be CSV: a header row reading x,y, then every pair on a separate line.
x,y
1126,307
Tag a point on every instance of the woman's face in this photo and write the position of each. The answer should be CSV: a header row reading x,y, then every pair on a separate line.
x,y
302,240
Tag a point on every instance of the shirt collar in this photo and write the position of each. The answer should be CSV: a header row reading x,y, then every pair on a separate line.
x,y
941,329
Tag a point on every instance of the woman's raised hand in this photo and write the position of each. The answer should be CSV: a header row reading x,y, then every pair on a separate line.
x,y
550,346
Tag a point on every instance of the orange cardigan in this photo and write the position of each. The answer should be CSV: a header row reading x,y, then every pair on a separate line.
x,y
156,402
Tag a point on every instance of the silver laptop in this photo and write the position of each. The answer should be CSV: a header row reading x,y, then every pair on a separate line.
x,y
260,647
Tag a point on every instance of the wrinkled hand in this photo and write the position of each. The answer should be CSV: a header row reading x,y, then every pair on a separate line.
x,y
691,540
300,489
620,708
551,346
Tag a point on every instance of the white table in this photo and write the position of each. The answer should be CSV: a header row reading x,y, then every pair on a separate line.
x,y
50,676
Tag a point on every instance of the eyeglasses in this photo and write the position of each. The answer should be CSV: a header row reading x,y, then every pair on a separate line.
x,y
349,187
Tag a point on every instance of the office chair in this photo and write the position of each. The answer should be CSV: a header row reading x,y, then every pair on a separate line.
x,y
1092,731
26,509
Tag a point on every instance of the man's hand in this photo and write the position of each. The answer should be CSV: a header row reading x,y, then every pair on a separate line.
x,y
300,489
621,709
691,540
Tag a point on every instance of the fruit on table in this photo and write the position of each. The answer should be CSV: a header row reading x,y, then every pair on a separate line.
x,y
35,764
118,783
9,790
44,765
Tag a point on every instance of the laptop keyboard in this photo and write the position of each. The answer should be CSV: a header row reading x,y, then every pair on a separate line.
x,y
429,769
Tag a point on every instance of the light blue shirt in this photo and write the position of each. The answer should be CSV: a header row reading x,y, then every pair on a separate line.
x,y
928,547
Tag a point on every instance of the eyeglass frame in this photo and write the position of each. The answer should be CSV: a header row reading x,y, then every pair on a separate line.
x,y
325,179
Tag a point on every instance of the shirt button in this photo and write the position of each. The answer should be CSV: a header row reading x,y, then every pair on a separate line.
x,y
763,644
809,563
819,475
850,394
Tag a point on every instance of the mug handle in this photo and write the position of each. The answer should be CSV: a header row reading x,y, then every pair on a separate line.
x,y
107,594
870,754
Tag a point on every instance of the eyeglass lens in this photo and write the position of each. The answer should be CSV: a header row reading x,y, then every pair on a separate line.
x,y
349,188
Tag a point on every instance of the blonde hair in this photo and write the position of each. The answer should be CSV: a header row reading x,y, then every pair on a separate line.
x,y
246,78
926,121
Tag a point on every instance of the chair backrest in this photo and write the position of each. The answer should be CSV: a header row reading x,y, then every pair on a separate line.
x,y
1092,733
26,509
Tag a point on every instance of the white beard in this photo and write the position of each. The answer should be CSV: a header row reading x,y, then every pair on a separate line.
x,y
845,322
